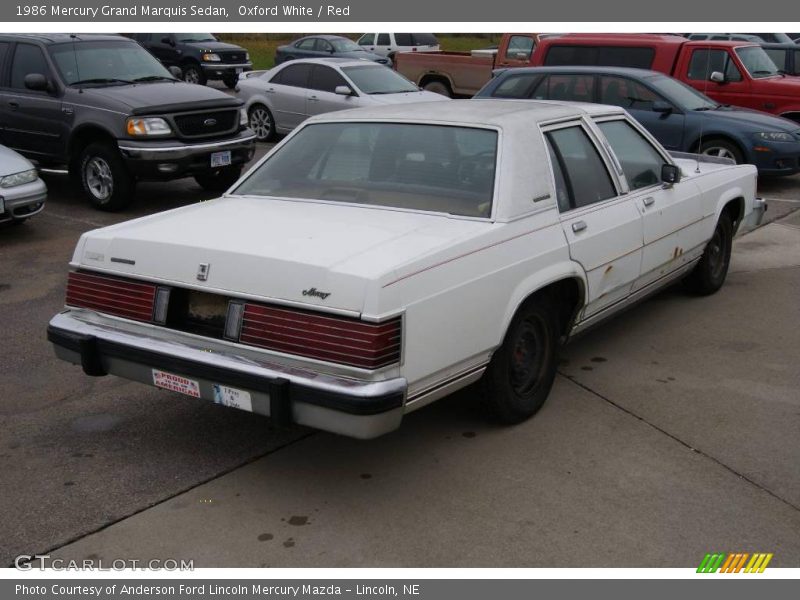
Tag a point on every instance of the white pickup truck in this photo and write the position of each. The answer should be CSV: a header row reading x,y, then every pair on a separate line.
x,y
381,258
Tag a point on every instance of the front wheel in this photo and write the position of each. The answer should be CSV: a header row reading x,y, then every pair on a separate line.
x,y
193,73
722,149
709,274
261,122
104,178
218,180
522,370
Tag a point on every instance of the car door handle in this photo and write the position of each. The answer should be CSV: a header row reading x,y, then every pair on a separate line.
x,y
578,226
313,99
13,105
270,90
649,201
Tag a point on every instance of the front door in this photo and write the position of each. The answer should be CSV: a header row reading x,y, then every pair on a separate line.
x,y
322,96
603,227
735,89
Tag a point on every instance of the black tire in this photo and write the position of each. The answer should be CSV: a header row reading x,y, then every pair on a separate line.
x,y
104,178
230,81
193,73
709,274
218,180
261,121
722,148
438,87
522,370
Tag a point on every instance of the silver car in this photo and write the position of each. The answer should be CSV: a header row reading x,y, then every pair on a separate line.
x,y
22,193
280,99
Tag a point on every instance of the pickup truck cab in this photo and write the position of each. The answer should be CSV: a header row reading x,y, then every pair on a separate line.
x,y
381,258
389,44
102,106
729,72
462,74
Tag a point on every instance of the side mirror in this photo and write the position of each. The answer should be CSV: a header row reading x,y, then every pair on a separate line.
x,y
167,40
660,106
717,77
343,90
670,174
176,72
37,82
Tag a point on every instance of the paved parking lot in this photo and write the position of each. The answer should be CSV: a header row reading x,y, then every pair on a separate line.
x,y
671,432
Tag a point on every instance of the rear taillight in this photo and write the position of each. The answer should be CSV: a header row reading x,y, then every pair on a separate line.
x,y
111,295
335,339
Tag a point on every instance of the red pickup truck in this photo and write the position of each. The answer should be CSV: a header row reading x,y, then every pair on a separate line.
x,y
738,73
455,74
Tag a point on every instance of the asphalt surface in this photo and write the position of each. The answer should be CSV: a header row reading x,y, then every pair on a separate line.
x,y
671,432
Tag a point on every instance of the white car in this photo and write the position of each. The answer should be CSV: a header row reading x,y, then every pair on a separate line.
x,y
379,259
280,99
22,193
389,44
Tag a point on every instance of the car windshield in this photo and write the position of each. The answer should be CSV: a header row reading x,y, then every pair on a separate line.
x,y
195,37
106,63
376,79
681,94
344,45
434,168
757,62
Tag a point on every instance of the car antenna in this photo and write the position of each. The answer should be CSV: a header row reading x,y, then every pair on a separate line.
x,y
705,93
74,37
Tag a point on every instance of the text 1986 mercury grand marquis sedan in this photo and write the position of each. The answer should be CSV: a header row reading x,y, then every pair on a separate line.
x,y
380,258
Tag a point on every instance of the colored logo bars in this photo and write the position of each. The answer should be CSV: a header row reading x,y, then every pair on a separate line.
x,y
734,562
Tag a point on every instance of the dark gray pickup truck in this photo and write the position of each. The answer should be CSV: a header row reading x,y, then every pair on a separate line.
x,y
105,108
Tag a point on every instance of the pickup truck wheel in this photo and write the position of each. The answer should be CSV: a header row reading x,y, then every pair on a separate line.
x,y
438,87
218,180
262,123
709,274
230,81
522,370
193,73
105,180
722,149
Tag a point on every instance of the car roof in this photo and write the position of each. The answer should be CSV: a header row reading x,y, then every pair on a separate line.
x,y
630,71
58,38
336,61
324,36
780,46
504,114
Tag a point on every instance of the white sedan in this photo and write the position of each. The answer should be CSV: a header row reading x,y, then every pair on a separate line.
x,y
379,259
280,99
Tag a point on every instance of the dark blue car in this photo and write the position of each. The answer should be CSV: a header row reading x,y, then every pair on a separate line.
x,y
678,116
322,46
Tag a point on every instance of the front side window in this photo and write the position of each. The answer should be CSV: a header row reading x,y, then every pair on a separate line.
x,y
586,177
344,45
641,162
325,46
520,47
27,59
705,61
106,63
325,79
383,39
368,39
624,92
432,168
757,62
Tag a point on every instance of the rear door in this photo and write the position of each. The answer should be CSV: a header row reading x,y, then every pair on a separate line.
x,y
288,90
321,96
602,224
671,216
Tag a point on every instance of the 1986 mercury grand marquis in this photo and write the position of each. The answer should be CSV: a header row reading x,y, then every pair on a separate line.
x,y
381,258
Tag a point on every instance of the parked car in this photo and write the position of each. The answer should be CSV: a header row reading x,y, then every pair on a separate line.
x,y
102,106
729,72
200,56
678,116
462,74
319,46
381,258
389,44
769,38
785,56
280,99
22,193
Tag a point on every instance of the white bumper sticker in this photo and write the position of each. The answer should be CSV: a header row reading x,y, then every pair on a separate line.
x,y
232,397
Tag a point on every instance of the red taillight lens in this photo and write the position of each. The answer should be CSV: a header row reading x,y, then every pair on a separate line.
x,y
335,339
112,295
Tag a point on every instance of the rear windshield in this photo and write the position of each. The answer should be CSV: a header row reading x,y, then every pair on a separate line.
x,y
432,168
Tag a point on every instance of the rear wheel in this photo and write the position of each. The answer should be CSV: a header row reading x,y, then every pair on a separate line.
x,y
104,178
230,81
522,370
218,180
710,273
261,122
438,87
722,149
193,73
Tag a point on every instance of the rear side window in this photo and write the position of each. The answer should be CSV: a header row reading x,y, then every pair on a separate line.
x,y
606,56
307,44
3,53
424,39
585,175
383,39
27,59
705,61
517,86
520,47
294,75
403,39
325,79
573,88
641,162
